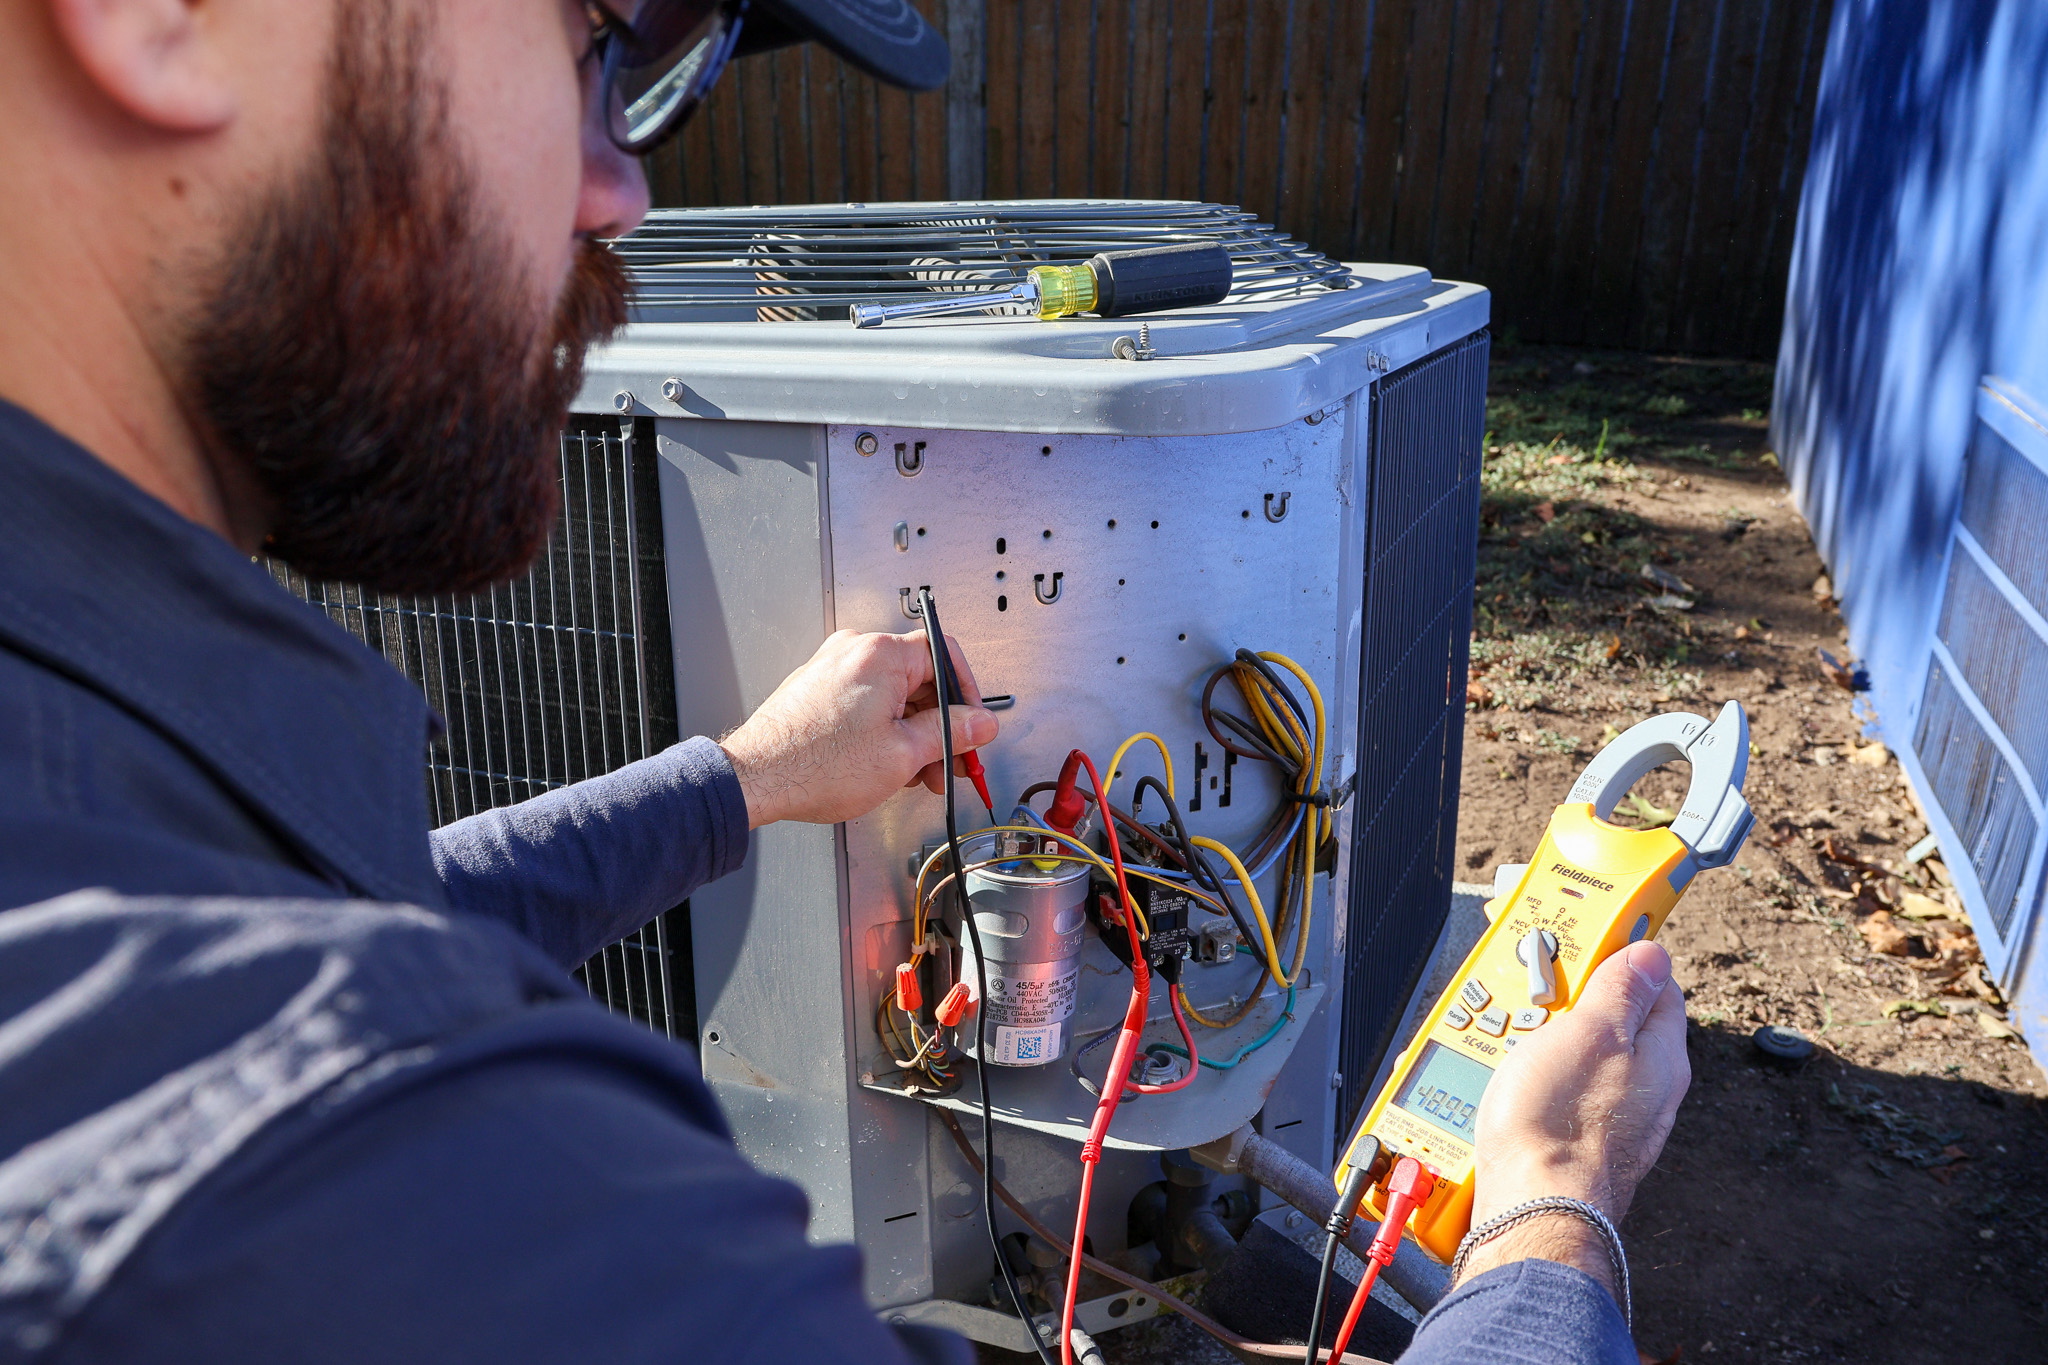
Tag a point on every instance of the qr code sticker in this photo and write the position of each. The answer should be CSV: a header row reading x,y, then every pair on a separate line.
x,y
1027,1046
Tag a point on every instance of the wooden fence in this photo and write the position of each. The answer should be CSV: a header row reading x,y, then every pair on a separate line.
x,y
1619,172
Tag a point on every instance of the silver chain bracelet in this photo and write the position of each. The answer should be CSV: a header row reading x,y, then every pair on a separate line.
x,y
1536,1208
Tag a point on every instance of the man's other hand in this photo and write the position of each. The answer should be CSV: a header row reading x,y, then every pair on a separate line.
x,y
856,723
1581,1108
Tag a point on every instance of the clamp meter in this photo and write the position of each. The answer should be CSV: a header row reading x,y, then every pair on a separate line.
x,y
1592,889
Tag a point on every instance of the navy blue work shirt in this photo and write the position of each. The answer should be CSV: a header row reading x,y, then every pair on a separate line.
x,y
285,1077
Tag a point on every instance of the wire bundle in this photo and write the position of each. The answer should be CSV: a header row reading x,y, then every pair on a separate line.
x,y
1282,733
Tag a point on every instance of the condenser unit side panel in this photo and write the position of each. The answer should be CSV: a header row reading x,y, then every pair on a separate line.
x,y
749,602
1423,448
1303,1109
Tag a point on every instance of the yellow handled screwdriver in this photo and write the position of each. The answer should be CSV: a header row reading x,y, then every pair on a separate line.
x,y
1111,284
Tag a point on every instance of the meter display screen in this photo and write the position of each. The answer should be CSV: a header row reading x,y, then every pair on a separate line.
x,y
1443,1088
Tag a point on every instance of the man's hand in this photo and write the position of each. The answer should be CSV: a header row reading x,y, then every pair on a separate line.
x,y
1581,1108
856,723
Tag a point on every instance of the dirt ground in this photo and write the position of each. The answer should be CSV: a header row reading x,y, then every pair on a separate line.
x,y
1886,1201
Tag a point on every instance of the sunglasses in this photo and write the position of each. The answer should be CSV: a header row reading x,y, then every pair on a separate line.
x,y
658,66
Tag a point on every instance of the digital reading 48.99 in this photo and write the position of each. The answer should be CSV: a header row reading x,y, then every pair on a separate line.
x,y
1444,1087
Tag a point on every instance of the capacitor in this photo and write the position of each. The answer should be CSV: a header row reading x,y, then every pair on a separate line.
x,y
1032,926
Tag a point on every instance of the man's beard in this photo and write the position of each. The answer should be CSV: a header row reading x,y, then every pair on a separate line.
x,y
371,359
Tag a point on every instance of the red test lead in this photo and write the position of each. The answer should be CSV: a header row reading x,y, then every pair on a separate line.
x,y
972,766
1408,1188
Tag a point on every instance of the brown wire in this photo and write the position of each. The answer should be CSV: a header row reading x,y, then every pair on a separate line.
x,y
1130,1281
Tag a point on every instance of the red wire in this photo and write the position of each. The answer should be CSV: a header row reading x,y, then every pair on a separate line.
x,y
1194,1058
1372,1272
1119,1064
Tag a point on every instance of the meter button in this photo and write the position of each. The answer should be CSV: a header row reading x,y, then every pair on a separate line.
x,y
1494,1021
1458,1017
1530,1018
1639,929
1475,995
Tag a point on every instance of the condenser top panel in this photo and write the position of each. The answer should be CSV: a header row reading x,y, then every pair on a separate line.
x,y
742,315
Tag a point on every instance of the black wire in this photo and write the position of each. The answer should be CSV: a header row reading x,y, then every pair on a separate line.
x,y
948,689
1349,1197
1198,864
1074,1062
1315,1322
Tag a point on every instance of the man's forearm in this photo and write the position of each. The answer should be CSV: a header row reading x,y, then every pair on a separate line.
x,y
589,863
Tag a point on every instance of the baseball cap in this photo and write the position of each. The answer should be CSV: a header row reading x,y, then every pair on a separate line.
x,y
888,39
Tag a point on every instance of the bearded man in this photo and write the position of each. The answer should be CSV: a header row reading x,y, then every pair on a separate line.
x,y
282,1077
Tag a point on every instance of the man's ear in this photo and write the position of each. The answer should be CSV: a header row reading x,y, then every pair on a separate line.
x,y
158,60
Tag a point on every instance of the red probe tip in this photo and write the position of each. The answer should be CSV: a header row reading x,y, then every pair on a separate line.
x,y
972,763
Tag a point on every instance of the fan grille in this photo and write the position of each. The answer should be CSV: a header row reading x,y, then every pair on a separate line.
x,y
814,261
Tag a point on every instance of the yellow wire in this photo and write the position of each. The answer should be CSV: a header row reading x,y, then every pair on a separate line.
x,y
1315,697
1283,731
1318,822
1251,894
1116,761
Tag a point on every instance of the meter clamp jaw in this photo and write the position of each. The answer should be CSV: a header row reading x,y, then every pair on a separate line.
x,y
1592,889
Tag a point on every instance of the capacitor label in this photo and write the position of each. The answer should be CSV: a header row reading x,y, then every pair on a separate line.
x,y
1025,1003
1027,1015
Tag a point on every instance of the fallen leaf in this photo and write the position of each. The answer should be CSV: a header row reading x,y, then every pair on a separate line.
x,y
1645,1358
1478,693
1913,905
1825,756
1983,987
1823,590
1665,579
1899,1009
1995,1027
1742,632
1546,512
1885,937
1871,755
1832,669
1558,459
1613,648
1670,602
1609,734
